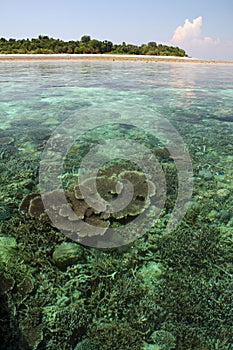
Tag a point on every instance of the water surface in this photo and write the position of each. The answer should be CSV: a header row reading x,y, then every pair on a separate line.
x,y
173,290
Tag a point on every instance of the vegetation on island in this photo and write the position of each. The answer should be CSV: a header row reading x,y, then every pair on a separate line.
x,y
86,45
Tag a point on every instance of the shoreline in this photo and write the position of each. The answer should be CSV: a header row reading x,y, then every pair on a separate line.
x,y
107,57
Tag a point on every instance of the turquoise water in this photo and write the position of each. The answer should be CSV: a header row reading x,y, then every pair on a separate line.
x,y
157,290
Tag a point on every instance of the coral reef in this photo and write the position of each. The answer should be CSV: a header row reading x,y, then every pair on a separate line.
x,y
164,340
4,212
86,344
66,254
164,284
165,290
7,140
118,334
68,210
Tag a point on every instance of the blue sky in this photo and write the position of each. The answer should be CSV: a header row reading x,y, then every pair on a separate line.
x,y
207,34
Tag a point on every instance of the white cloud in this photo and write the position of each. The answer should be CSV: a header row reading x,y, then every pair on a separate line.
x,y
189,30
190,34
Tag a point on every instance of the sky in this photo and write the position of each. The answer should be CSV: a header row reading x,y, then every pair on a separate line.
x,y
204,28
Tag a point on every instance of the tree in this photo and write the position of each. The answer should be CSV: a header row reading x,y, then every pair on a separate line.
x,y
152,44
45,44
106,46
85,38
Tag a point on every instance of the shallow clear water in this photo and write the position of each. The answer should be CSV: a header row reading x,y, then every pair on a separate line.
x,y
50,90
196,100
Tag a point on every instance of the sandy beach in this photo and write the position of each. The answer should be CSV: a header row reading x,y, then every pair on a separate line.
x,y
107,57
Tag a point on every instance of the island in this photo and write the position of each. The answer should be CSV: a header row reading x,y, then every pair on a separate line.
x,y
86,45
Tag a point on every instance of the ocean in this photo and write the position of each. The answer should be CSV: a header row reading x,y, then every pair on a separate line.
x,y
116,205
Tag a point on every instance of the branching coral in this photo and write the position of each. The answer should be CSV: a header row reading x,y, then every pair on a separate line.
x,y
118,334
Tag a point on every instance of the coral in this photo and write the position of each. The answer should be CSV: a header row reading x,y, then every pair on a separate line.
x,y
6,283
72,318
86,344
23,289
66,254
7,140
8,152
121,335
68,211
8,246
16,287
62,215
33,334
150,273
147,346
164,340
7,148
25,203
142,191
36,207
4,212
195,291
176,287
11,337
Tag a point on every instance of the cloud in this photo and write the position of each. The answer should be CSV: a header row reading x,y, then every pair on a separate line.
x,y
190,33
189,30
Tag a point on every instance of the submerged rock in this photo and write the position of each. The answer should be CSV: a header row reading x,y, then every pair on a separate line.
x,y
66,254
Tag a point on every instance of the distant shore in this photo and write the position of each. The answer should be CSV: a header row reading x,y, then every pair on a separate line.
x,y
107,57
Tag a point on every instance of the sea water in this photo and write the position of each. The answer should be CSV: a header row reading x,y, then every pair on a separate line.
x,y
194,101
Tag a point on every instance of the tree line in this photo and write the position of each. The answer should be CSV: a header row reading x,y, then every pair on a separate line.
x,y
86,45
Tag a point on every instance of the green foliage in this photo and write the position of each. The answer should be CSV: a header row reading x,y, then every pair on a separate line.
x,y
85,38
46,45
